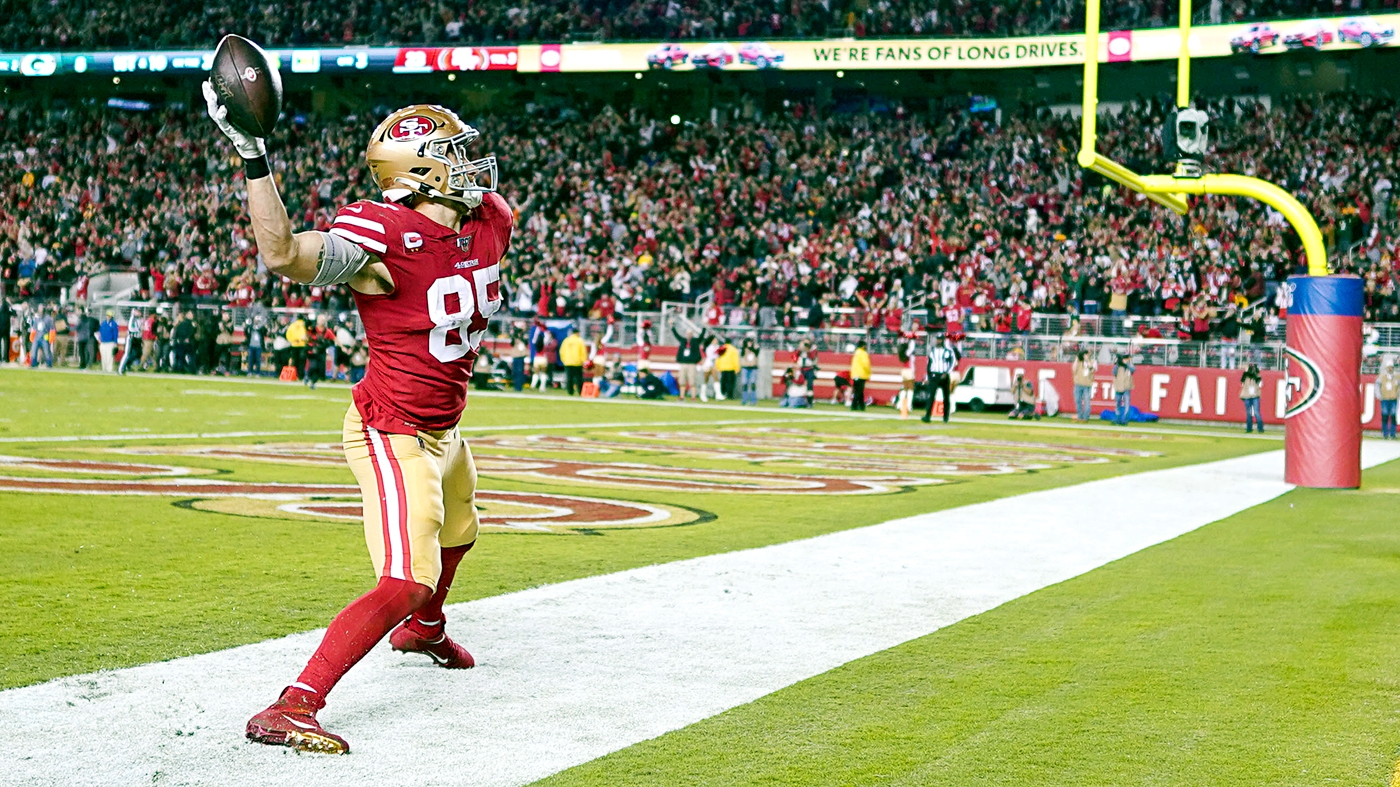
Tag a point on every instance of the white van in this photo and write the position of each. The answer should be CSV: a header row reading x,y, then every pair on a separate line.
x,y
982,387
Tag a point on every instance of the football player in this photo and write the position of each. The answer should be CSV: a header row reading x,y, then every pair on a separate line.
x,y
424,269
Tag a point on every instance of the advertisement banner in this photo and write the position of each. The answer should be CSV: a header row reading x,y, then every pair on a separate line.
x,y
1115,46
1177,393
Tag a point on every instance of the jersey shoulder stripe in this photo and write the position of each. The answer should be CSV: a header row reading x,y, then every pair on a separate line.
x,y
356,221
369,244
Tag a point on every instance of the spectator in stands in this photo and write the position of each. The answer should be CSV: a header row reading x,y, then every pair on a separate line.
x,y
107,334
860,375
1251,388
1388,391
573,354
1122,388
1085,365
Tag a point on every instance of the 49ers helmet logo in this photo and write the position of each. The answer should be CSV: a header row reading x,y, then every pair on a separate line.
x,y
411,127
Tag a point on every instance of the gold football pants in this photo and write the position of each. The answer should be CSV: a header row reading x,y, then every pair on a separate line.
x,y
419,495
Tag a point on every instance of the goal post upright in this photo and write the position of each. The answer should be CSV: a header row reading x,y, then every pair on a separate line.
x,y
1169,190
1322,444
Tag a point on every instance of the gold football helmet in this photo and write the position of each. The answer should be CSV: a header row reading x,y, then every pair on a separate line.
x,y
422,149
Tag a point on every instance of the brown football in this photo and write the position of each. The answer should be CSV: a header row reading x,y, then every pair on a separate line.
x,y
248,84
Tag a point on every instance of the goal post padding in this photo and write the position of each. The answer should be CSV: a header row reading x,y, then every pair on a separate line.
x,y
1322,441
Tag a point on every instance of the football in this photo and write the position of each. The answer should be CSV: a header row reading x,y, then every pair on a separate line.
x,y
248,84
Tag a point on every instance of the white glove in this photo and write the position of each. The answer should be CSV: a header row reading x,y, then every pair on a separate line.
x,y
247,146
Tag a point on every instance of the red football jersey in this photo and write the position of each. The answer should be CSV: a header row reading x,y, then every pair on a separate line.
x,y
423,338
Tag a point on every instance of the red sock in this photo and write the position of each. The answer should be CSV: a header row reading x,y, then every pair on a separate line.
x,y
429,617
352,634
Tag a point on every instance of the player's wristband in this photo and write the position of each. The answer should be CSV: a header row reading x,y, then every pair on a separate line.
x,y
254,168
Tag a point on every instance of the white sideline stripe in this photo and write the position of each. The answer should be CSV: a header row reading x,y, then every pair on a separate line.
x,y
373,245
359,222
573,671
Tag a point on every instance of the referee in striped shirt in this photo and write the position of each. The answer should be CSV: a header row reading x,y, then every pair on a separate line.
x,y
942,362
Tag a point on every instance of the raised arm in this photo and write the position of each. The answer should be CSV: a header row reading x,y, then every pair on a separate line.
x,y
306,257
296,255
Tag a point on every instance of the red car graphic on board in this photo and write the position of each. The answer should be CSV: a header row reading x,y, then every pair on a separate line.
x,y
1311,34
1365,31
1254,38
756,53
666,56
714,56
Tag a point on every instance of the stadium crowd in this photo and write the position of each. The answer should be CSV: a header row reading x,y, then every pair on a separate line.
x,y
785,218
75,24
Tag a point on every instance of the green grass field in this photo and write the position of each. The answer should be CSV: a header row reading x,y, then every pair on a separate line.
x,y
1258,650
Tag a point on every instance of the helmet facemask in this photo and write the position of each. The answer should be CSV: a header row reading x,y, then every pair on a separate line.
x,y
467,179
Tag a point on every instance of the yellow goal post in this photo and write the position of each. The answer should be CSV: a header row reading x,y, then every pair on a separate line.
x,y
1171,190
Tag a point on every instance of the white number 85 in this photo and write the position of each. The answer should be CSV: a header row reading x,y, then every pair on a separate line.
x,y
472,298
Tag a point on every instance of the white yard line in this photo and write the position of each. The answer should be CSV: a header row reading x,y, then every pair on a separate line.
x,y
573,671
100,438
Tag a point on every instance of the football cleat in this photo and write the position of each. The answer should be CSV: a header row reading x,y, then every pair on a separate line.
x,y
295,726
408,638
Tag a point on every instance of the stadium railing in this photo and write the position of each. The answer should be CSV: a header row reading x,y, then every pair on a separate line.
x,y
627,331
1042,323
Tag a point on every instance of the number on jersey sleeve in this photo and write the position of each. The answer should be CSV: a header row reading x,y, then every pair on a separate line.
x,y
481,295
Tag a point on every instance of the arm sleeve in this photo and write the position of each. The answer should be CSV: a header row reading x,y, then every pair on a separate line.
x,y
340,260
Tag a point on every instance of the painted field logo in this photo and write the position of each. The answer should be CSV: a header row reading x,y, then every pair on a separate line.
x,y
626,475
499,510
